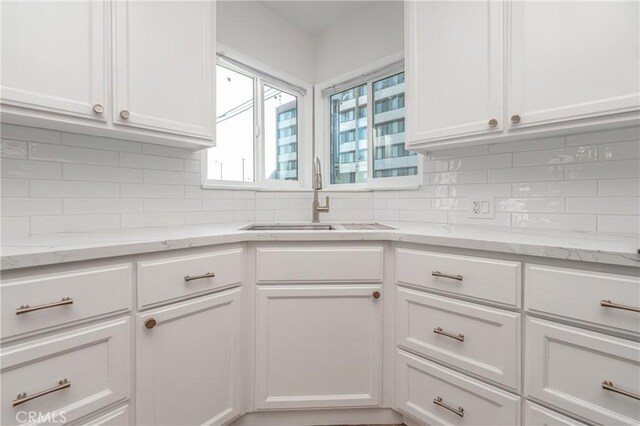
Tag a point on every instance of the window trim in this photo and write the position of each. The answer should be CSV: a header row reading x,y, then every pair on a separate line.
x,y
355,78
304,131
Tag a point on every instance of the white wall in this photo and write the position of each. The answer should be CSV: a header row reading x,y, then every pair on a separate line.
x,y
371,33
255,31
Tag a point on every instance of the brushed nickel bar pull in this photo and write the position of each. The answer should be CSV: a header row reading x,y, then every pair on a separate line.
x,y
458,411
609,304
608,385
452,277
26,308
458,337
23,397
188,278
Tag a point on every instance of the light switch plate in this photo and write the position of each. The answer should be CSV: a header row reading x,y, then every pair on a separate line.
x,y
481,207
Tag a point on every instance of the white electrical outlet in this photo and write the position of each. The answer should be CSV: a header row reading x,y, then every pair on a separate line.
x,y
481,207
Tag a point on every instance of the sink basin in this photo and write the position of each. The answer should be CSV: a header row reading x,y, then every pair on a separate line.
x,y
292,227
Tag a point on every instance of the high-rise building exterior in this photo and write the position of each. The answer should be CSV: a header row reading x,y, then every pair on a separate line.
x,y
287,142
349,132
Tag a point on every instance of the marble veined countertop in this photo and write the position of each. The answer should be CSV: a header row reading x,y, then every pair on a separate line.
x,y
47,249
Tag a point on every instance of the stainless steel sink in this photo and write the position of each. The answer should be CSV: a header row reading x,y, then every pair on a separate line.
x,y
292,227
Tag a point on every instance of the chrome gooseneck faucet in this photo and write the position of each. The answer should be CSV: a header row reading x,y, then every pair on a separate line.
x,y
317,185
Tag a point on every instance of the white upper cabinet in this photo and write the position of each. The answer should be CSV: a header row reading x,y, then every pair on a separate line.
x,y
163,73
572,60
454,68
54,57
538,68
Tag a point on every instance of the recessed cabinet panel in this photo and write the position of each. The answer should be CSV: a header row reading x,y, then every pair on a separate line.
x,y
54,56
572,60
163,65
439,396
454,68
536,415
461,334
190,361
318,346
570,368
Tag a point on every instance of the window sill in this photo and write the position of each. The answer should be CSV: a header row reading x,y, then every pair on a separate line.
x,y
256,188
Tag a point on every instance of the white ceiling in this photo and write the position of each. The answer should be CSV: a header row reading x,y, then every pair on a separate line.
x,y
314,16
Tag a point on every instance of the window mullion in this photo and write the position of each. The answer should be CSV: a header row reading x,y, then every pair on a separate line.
x,y
370,148
259,131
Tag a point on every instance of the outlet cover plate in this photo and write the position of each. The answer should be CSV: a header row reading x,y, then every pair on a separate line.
x,y
481,207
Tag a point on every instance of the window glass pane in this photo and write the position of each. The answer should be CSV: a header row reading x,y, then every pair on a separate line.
x,y
348,140
280,134
233,157
390,157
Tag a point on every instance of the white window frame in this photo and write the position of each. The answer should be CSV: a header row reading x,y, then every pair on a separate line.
x,y
358,77
304,129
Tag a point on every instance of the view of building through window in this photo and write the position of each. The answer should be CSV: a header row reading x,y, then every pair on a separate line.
x,y
234,156
349,140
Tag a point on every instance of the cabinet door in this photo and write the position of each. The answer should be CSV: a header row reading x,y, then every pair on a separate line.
x,y
318,346
189,361
53,56
572,60
163,65
454,65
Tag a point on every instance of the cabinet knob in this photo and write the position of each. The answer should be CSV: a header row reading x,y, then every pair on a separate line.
x,y
493,122
515,119
376,295
98,109
125,114
150,323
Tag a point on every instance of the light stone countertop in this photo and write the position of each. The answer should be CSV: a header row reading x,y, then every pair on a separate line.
x,y
47,249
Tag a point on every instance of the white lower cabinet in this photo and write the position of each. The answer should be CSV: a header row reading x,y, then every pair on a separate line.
x,y
591,375
438,396
190,360
60,378
318,346
537,415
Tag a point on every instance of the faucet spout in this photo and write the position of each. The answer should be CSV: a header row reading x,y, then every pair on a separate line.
x,y
316,208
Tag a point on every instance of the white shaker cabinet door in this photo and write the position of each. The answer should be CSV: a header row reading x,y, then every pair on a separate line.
x,y
53,56
572,59
189,361
454,68
163,65
318,346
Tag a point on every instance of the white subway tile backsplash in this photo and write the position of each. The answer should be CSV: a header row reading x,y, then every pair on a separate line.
x,y
29,134
100,173
96,142
30,169
523,174
604,205
619,187
13,149
65,154
619,224
140,161
582,182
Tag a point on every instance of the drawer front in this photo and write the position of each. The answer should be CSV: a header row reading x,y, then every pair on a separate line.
x,y
473,333
320,264
423,384
94,361
174,278
487,279
118,417
87,292
537,415
579,295
566,367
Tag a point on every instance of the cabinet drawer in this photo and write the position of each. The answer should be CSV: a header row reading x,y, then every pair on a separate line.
x,y
537,415
567,366
579,295
94,360
119,417
178,277
318,264
473,334
422,384
488,279
88,293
